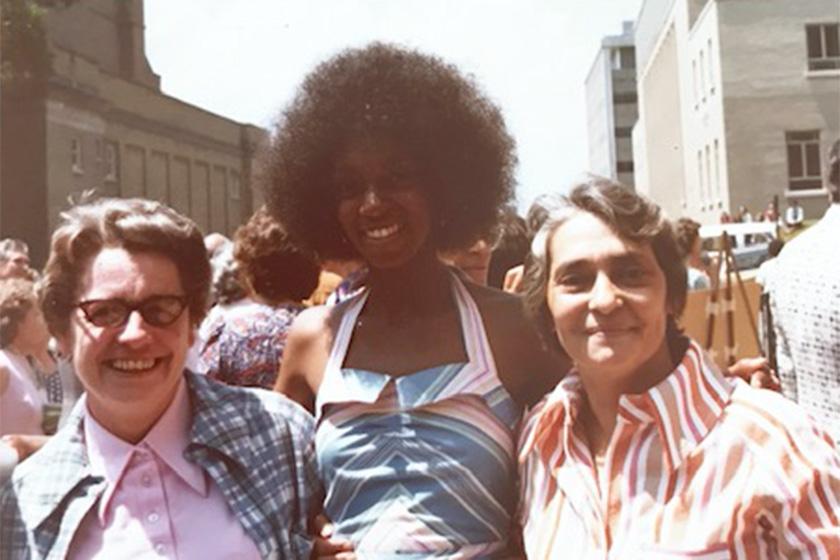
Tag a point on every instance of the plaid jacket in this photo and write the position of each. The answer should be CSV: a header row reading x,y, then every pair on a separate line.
x,y
256,446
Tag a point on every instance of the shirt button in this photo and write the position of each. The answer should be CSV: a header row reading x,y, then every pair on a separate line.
x,y
160,548
153,517
146,480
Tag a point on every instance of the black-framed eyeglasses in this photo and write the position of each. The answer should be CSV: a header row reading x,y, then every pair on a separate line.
x,y
158,311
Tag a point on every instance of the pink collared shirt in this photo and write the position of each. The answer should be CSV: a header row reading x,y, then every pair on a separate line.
x,y
156,504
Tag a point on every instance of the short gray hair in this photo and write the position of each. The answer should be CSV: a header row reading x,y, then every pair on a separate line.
x,y
630,215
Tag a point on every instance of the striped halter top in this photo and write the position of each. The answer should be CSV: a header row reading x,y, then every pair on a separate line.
x,y
421,465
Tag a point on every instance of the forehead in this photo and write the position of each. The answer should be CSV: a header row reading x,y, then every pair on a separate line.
x,y
116,272
585,238
373,155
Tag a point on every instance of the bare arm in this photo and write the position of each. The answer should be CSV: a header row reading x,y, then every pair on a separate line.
x,y
4,380
305,356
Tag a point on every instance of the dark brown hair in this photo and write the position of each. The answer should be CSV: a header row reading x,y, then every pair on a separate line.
x,y
275,269
686,231
453,134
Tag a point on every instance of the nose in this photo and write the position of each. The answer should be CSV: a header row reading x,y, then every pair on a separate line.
x,y
605,296
371,201
135,331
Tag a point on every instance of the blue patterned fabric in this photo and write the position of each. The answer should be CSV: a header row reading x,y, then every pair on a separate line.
x,y
256,446
421,465
245,344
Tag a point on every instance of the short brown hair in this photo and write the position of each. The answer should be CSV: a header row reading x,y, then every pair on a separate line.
x,y
631,216
136,225
275,269
686,231
17,297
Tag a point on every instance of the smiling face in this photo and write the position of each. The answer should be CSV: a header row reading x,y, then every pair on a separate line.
x,y
382,207
607,296
130,372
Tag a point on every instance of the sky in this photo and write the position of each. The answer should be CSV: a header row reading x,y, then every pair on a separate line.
x,y
245,59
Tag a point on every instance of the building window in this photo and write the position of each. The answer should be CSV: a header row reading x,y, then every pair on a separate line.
x,y
803,155
708,175
711,68
694,82
233,186
627,97
623,132
823,46
702,72
624,166
76,156
717,170
700,177
624,58
111,161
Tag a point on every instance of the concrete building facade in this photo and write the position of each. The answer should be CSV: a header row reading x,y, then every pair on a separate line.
x,y
109,127
738,103
611,109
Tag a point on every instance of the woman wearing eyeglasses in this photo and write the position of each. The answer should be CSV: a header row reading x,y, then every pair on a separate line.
x,y
154,458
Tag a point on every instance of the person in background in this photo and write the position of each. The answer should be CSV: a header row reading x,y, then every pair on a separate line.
x,y
646,450
336,281
155,461
245,342
690,249
764,274
744,215
30,387
474,261
794,215
534,218
511,250
14,260
771,213
805,305
392,156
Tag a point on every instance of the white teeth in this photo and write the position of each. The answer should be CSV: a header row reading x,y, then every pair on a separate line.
x,y
381,233
132,365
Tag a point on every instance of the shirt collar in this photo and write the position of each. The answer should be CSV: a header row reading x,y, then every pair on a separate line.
x,y
684,406
167,440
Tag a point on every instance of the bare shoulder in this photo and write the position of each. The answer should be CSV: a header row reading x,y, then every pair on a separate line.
x,y
305,355
527,367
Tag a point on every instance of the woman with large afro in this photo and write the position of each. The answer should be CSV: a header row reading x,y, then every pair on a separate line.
x,y
417,383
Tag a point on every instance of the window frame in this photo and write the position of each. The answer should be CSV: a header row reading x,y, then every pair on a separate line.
x,y
76,156
807,144
822,61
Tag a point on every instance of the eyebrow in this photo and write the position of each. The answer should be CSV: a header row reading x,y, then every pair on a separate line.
x,y
624,259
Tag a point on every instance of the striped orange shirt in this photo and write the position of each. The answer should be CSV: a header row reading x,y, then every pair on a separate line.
x,y
699,466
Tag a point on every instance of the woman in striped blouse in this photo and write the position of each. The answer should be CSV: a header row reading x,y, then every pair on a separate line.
x,y
646,450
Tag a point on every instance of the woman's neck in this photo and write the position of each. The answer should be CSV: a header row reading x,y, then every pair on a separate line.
x,y
419,287
604,388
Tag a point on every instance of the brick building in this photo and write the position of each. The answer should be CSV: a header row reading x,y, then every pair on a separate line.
x,y
102,122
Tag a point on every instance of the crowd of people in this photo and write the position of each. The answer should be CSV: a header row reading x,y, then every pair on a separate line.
x,y
417,412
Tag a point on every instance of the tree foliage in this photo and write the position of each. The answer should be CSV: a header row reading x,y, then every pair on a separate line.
x,y
24,56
